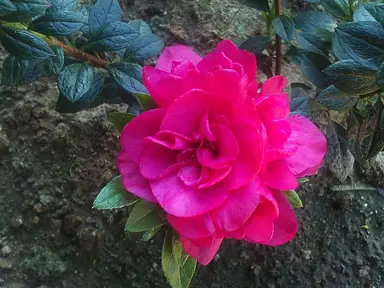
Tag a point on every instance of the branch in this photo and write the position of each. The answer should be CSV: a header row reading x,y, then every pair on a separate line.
x,y
278,40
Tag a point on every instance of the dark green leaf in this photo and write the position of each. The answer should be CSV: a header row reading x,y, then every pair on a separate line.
x,y
89,100
128,76
114,196
337,8
293,199
33,72
261,5
178,267
335,99
312,65
284,27
58,23
338,158
103,14
75,80
352,78
27,9
13,70
149,234
53,65
24,44
311,21
113,37
256,44
361,41
304,105
146,102
312,43
144,47
380,77
63,5
119,120
140,26
6,7
369,12
144,216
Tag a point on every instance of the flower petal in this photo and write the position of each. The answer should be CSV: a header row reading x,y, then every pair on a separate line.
x,y
273,85
142,126
311,146
273,107
278,176
176,53
181,200
198,227
203,254
239,206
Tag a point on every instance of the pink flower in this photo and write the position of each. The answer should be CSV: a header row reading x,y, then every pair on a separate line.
x,y
218,151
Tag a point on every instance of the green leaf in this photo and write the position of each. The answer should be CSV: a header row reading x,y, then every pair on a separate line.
x,y
293,199
58,23
256,44
89,99
302,180
312,43
13,70
113,37
6,7
361,41
128,76
103,14
63,5
114,196
261,5
369,12
144,47
312,21
337,8
141,26
24,45
336,100
75,80
149,234
352,78
146,102
29,8
144,216
284,27
53,65
119,120
178,267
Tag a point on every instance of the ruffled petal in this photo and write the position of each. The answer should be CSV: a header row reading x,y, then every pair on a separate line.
x,y
203,254
273,85
311,146
278,176
239,206
176,53
142,126
199,227
181,200
272,107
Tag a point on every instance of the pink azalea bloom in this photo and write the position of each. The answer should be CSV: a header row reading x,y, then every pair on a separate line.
x,y
217,152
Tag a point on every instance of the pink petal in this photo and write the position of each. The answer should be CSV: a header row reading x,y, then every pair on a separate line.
x,y
278,176
278,132
253,90
133,134
273,85
203,254
163,87
311,146
251,154
239,206
132,180
181,200
176,53
171,140
273,107
182,68
190,173
198,227
286,225
214,176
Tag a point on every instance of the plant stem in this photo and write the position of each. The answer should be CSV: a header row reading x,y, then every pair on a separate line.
x,y
278,40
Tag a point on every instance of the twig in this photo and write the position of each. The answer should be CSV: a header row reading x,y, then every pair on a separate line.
x,y
278,39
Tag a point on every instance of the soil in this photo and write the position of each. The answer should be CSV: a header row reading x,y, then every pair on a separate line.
x,y
52,167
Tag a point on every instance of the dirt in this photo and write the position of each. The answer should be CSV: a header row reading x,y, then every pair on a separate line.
x,y
52,167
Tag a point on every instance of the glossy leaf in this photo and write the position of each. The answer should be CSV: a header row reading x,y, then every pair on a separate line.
x,y
337,8
336,100
128,76
59,23
178,267
141,26
149,234
352,78
102,14
311,21
261,5
54,64
311,42
256,44
284,27
119,119
29,8
24,45
13,70
312,65
369,12
63,5
146,102
114,196
144,216
6,7
293,199
114,37
144,47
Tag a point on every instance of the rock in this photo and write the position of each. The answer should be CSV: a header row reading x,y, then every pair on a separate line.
x,y
17,221
6,250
